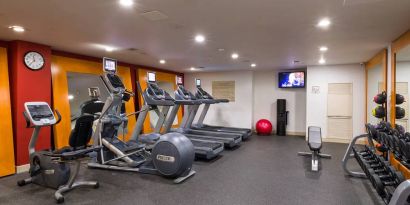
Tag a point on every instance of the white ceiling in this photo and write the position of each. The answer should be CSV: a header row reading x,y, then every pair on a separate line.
x,y
271,33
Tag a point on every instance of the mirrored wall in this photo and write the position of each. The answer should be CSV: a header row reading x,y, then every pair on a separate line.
x,y
402,81
376,69
78,84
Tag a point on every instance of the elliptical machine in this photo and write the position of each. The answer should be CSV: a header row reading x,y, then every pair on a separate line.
x,y
170,155
51,168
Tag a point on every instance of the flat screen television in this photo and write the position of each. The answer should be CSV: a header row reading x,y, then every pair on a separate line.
x,y
292,79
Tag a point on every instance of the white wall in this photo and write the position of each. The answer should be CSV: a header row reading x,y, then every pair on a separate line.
x,y
256,94
236,114
266,93
317,103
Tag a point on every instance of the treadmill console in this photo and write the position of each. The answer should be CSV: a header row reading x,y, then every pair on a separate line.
x,y
39,113
115,81
154,90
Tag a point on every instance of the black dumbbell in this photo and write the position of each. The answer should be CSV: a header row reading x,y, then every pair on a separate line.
x,y
389,173
380,184
378,163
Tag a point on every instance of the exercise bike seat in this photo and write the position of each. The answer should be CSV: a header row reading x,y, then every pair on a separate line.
x,y
314,138
68,154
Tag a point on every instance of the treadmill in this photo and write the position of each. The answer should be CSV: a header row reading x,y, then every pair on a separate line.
x,y
153,97
202,94
184,97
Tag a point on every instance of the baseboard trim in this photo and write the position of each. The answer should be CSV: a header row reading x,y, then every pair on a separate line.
x,y
290,133
22,168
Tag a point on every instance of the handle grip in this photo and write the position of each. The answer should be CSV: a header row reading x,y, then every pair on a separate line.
x,y
58,116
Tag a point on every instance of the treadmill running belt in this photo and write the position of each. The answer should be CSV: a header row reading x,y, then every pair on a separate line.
x,y
212,145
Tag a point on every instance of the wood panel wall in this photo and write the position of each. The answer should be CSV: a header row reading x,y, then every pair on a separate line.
x,y
7,164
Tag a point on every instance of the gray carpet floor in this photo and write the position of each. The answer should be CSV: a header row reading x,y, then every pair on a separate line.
x,y
264,170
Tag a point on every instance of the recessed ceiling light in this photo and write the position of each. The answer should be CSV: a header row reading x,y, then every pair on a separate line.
x,y
199,38
162,61
221,49
18,29
253,65
234,56
109,49
324,23
192,68
126,3
322,61
70,97
323,48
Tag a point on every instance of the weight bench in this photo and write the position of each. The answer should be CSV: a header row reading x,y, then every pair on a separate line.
x,y
315,144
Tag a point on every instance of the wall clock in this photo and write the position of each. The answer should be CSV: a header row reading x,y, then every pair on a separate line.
x,y
34,60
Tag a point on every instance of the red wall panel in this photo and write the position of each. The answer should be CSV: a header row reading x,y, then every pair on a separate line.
x,y
27,85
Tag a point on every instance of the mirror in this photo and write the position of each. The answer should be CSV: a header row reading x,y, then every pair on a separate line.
x,y
402,86
376,69
78,84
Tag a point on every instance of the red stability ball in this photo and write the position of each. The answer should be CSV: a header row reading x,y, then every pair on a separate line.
x,y
263,127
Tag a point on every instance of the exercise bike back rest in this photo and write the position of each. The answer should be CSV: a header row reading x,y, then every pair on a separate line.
x,y
82,132
30,125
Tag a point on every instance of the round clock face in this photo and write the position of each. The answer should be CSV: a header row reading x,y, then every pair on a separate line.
x,y
34,60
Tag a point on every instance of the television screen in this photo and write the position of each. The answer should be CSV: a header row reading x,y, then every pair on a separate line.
x,y
292,79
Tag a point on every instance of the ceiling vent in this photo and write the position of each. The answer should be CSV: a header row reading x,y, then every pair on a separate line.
x,y
154,16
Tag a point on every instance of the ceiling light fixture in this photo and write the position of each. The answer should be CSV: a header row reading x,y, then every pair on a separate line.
x,y
70,97
323,48
126,3
322,61
324,23
234,56
192,68
253,65
199,38
109,49
162,61
18,29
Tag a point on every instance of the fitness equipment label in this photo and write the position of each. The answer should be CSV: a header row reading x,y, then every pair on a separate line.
x,y
165,158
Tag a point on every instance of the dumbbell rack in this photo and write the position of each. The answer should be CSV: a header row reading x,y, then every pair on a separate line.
x,y
394,196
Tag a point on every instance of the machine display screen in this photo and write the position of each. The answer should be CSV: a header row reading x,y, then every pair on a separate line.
x,y
40,111
292,79
151,77
179,80
198,82
110,65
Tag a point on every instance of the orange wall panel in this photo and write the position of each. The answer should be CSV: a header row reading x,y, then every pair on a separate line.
x,y
7,165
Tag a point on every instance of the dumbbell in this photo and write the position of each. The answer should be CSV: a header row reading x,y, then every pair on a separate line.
x,y
388,173
378,163
368,159
380,184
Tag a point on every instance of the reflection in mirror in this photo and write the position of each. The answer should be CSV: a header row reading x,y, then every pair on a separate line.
x,y
375,86
78,84
169,88
402,86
